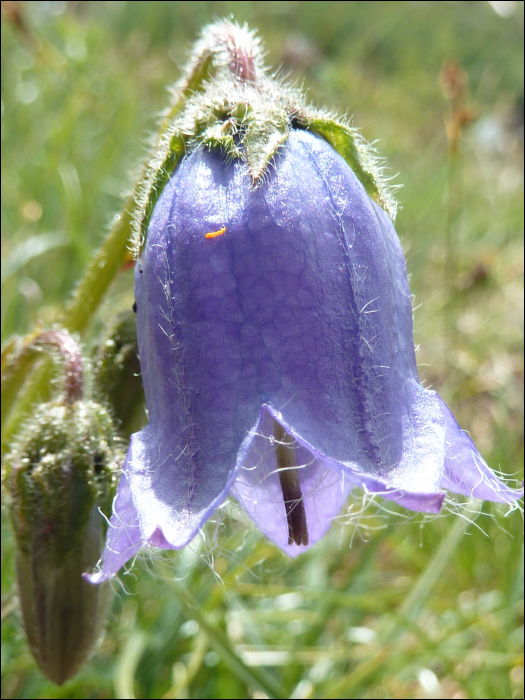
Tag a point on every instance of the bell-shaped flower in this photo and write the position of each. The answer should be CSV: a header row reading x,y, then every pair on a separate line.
x,y
275,336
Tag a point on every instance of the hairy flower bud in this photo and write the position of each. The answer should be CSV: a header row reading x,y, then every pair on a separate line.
x,y
116,374
60,478
60,474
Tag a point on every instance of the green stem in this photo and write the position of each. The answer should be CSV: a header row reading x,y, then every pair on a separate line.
x,y
450,271
408,613
100,274
18,358
127,665
219,640
76,317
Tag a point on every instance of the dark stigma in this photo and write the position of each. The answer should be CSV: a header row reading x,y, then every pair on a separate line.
x,y
290,486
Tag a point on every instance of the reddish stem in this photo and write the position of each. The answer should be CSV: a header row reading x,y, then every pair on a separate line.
x,y
238,43
72,359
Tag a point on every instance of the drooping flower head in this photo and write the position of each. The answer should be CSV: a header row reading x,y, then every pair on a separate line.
x,y
274,322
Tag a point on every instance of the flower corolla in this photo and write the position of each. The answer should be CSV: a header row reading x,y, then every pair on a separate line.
x,y
274,323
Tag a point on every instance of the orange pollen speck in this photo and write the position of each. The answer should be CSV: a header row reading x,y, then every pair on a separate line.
x,y
213,234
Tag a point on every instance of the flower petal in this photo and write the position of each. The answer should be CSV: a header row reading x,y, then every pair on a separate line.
x,y
123,538
258,490
173,495
466,471
414,481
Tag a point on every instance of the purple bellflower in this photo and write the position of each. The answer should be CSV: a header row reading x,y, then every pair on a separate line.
x,y
274,323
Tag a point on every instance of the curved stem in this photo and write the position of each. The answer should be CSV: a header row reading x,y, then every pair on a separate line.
x,y
100,274
76,317
19,357
72,359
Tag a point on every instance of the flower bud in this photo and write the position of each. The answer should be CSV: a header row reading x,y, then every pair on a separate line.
x,y
60,475
116,374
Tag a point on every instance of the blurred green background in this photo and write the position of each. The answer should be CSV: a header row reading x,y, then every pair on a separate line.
x,y
388,605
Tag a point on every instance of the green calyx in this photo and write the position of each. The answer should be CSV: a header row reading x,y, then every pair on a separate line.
x,y
228,101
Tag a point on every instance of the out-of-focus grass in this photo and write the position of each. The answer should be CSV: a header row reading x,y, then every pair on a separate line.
x,y
384,606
